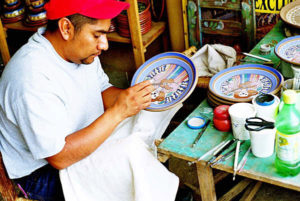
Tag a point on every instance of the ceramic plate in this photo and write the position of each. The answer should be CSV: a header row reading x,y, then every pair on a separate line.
x,y
289,50
291,14
241,83
174,76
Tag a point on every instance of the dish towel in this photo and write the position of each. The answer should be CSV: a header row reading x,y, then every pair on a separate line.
x,y
211,59
124,167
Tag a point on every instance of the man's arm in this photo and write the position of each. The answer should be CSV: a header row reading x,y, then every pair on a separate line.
x,y
110,96
120,105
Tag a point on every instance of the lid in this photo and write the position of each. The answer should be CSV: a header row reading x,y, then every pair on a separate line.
x,y
196,122
264,99
289,96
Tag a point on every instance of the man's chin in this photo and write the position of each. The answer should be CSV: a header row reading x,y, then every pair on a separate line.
x,y
88,60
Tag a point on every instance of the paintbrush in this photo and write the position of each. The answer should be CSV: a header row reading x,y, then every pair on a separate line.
x,y
209,152
236,158
201,133
243,161
219,151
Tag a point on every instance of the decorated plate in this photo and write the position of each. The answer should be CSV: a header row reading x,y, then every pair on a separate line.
x,y
174,77
241,83
289,50
291,14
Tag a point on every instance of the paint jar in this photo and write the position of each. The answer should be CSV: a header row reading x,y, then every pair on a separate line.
x,y
196,122
265,49
266,105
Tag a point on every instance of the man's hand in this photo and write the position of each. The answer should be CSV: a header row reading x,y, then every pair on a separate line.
x,y
134,99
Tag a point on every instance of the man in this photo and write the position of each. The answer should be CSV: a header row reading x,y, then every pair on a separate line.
x,y
57,106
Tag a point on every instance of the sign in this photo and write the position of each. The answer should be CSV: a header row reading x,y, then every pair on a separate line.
x,y
270,6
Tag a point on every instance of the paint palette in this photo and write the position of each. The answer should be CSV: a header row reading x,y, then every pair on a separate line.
x,y
289,50
241,83
174,78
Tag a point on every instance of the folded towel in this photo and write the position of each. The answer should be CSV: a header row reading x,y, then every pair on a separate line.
x,y
211,59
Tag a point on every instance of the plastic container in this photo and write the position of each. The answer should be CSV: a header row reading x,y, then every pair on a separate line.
x,y
266,105
287,161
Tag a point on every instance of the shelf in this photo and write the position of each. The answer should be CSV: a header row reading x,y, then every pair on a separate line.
x,y
19,26
139,42
157,28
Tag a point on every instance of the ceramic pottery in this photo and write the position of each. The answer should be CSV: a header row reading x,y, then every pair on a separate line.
x,y
174,78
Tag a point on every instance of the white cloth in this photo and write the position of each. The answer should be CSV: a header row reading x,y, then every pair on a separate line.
x,y
124,168
211,59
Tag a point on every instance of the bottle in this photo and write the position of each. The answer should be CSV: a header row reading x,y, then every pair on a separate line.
x,y
287,145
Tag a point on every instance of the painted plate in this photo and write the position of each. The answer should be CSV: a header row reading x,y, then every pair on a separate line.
x,y
174,77
290,14
289,50
241,83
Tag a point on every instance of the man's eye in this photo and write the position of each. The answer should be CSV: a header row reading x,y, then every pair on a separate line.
x,y
97,35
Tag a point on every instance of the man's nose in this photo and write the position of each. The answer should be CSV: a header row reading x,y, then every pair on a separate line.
x,y
103,43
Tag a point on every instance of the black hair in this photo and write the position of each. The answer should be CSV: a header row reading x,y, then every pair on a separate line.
x,y
76,19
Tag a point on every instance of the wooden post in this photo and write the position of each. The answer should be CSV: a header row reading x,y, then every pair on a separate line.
x,y
135,33
249,24
206,182
3,45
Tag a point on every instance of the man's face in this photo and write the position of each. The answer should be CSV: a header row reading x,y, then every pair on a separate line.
x,y
88,42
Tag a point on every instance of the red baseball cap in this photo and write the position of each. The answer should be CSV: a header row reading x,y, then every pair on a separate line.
x,y
98,9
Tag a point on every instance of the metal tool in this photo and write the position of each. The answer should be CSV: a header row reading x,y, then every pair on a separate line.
x,y
258,124
209,152
259,62
257,57
236,158
200,133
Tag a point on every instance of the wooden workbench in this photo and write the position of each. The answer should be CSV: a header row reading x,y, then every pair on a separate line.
x,y
178,144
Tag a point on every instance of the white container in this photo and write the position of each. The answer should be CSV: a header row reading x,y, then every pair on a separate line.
x,y
266,109
238,113
263,142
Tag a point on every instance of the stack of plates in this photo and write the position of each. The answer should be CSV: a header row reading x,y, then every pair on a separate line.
x,y
13,11
289,50
242,83
290,14
36,13
144,16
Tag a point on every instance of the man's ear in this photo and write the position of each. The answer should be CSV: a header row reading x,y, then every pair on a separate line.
x,y
66,28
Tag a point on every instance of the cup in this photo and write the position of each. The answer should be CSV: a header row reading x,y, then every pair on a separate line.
x,y
296,80
263,141
266,105
238,113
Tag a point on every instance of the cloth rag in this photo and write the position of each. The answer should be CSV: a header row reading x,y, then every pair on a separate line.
x,y
124,167
211,59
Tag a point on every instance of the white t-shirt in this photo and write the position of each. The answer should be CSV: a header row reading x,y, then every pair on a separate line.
x,y
44,98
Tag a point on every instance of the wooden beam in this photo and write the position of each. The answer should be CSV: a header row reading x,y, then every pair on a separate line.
x,y
251,191
237,189
3,45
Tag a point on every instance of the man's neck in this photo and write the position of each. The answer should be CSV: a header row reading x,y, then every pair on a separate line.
x,y
57,42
